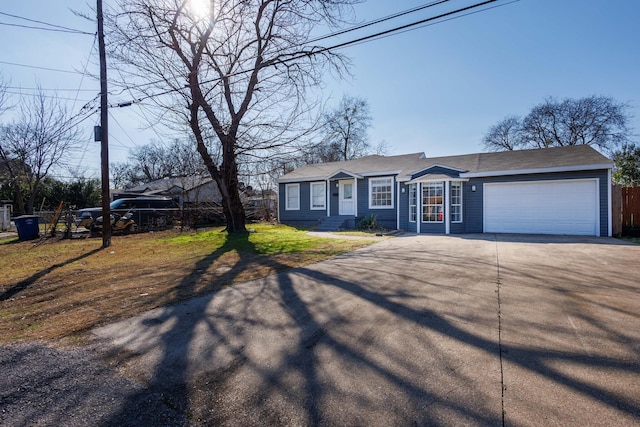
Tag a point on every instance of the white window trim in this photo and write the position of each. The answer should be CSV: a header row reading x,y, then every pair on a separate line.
x,y
444,203
392,192
461,201
324,186
290,187
415,186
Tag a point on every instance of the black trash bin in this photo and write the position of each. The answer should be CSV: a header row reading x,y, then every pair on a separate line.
x,y
27,225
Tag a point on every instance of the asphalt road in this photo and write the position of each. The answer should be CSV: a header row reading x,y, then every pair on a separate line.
x,y
414,330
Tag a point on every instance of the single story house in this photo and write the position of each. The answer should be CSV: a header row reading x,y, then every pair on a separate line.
x,y
187,191
562,190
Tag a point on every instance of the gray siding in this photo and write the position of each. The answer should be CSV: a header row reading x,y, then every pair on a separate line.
x,y
385,217
303,217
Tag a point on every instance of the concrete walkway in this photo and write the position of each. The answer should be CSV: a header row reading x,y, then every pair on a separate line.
x,y
415,330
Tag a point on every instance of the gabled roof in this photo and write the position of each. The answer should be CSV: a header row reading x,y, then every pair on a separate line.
x,y
365,166
548,160
167,184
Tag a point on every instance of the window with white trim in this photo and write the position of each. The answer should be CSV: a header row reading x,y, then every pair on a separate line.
x,y
456,202
432,198
413,202
381,193
292,197
318,195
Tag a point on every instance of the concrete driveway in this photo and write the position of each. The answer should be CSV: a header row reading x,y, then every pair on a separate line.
x,y
414,330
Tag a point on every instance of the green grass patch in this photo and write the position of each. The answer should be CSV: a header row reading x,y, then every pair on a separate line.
x,y
635,240
9,241
262,239
63,288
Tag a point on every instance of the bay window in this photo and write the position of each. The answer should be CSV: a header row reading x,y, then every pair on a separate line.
x,y
432,202
456,202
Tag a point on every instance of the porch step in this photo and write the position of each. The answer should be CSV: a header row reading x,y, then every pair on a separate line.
x,y
332,223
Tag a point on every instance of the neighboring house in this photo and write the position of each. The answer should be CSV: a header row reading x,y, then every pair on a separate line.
x,y
563,190
187,191
261,205
203,193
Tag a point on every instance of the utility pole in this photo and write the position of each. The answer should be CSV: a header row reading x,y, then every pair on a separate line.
x,y
104,133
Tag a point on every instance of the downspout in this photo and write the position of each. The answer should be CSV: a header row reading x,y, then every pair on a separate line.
x,y
447,198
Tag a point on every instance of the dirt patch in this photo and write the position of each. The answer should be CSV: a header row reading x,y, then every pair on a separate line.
x,y
60,289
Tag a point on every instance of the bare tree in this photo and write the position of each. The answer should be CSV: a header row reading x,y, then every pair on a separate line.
x,y
36,143
237,72
506,135
346,131
157,161
595,120
4,96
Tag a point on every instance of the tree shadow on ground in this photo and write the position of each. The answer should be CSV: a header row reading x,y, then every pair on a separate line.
x,y
301,378
24,284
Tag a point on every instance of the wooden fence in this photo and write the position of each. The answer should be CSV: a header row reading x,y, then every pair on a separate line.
x,y
630,210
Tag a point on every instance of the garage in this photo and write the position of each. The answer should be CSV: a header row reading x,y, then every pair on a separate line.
x,y
542,207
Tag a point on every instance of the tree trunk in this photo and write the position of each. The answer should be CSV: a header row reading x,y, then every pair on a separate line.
x,y
19,198
226,177
230,189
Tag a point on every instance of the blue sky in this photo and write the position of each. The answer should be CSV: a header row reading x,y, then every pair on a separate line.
x,y
435,89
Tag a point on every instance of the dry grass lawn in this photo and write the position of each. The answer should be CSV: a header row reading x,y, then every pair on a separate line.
x,y
55,289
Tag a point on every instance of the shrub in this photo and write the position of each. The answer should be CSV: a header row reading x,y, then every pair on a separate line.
x,y
369,223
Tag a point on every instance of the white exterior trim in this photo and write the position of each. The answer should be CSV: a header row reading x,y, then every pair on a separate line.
x,y
437,165
609,205
350,174
461,206
355,196
311,184
286,197
535,171
305,179
381,173
392,193
563,181
398,210
447,202
328,184
422,179
418,206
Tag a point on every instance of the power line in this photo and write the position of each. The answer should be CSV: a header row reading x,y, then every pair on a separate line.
x,y
30,27
122,128
50,89
84,72
46,96
40,68
393,31
379,20
384,33
60,27
326,36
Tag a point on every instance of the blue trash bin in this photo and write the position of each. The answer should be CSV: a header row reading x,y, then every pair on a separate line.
x,y
28,227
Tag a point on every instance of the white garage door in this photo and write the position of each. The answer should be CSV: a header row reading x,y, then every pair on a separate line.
x,y
542,207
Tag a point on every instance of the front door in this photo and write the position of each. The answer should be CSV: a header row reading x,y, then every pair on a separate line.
x,y
347,203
